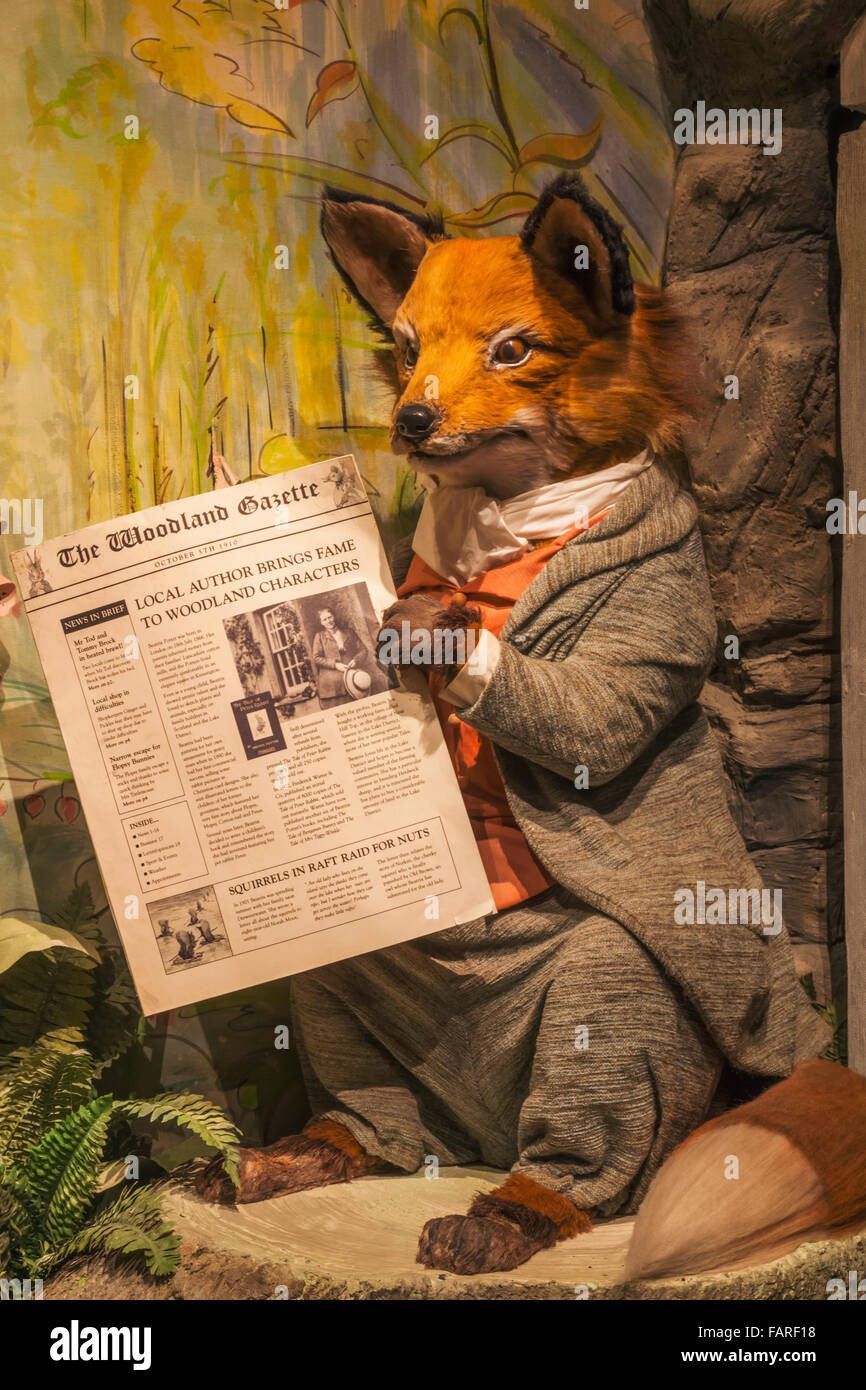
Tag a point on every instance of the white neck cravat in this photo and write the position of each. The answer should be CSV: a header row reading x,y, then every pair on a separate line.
x,y
462,532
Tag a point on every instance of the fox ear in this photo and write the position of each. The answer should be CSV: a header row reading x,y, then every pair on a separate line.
x,y
564,221
376,248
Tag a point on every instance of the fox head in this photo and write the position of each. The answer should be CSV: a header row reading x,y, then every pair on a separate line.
x,y
518,359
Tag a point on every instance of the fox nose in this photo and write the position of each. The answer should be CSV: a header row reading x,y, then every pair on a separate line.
x,y
415,422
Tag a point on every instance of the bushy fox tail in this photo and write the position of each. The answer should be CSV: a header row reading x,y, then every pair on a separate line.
x,y
755,1183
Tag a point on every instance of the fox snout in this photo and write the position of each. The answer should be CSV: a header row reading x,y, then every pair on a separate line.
x,y
416,421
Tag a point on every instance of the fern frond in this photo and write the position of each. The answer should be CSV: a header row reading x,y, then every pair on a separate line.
x,y
113,1023
191,1112
20,1241
42,992
15,1225
7,1218
63,1169
835,1014
132,1224
38,1087
78,915
60,1039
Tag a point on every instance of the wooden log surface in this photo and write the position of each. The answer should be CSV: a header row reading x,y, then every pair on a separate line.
x,y
358,1241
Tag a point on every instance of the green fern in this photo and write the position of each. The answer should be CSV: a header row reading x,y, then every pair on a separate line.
x,y
67,1017
60,988
59,1039
38,1087
78,914
14,1223
43,991
63,1169
112,1025
131,1224
194,1113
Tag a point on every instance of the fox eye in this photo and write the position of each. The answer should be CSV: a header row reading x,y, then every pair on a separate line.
x,y
410,355
512,351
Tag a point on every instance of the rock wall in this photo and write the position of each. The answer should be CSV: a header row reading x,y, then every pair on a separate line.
x,y
751,254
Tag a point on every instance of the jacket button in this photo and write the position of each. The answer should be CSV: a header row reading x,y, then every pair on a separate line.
x,y
459,600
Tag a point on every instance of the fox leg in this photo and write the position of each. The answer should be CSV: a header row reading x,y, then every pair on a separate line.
x,y
502,1229
324,1153
371,1115
622,1072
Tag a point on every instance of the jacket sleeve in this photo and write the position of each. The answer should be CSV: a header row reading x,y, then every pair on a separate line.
x,y
641,660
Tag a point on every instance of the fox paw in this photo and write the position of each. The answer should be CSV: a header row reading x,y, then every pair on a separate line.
x,y
422,616
475,1245
294,1164
502,1229
494,1235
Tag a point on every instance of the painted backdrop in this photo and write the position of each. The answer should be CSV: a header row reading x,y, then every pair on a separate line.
x,y
165,296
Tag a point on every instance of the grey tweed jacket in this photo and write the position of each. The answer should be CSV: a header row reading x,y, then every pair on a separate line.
x,y
601,664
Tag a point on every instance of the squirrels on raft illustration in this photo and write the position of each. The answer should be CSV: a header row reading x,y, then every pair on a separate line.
x,y
578,1038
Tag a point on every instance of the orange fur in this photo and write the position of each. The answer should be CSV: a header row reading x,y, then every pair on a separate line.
x,y
524,1192
800,1151
821,1110
599,396
339,1138
609,369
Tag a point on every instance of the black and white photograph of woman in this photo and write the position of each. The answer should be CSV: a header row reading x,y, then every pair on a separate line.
x,y
345,665
307,654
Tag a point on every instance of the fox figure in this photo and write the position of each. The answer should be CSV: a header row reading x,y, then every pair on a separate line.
x,y
580,1037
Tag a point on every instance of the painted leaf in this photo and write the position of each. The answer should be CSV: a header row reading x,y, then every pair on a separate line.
x,y
335,82
212,79
563,151
464,12
256,117
502,207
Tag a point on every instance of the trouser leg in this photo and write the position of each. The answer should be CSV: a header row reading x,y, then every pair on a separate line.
x,y
623,1070
352,1078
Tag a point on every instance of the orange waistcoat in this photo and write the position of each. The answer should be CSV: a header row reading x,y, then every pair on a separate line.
x,y
513,872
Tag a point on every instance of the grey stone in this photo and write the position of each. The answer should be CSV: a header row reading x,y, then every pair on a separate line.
x,y
751,257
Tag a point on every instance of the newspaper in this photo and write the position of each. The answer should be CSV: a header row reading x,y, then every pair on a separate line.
x,y
262,795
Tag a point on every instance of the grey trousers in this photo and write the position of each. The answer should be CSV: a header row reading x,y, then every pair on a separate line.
x,y
545,1040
